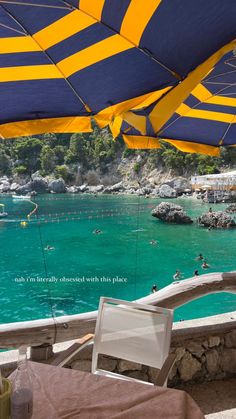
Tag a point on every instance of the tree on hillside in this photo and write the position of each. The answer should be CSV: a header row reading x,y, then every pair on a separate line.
x,y
49,139
5,162
228,155
47,159
63,172
207,165
78,150
174,160
105,148
59,151
27,151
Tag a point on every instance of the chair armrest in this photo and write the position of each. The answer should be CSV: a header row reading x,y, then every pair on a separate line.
x,y
66,355
165,370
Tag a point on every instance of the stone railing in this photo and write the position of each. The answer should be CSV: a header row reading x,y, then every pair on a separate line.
x,y
205,348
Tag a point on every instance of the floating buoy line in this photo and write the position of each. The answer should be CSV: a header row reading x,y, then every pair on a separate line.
x,y
34,211
35,218
81,215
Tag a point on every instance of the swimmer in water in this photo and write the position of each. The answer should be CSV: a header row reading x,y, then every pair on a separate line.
x,y
177,275
153,242
154,289
205,265
196,273
49,247
200,257
97,231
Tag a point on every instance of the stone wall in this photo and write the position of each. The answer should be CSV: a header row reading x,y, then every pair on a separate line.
x,y
205,358
205,349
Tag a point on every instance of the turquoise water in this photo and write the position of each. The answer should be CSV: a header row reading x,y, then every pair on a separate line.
x,y
120,262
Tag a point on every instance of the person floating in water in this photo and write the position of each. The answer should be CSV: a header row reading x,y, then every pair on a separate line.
x,y
205,265
210,209
196,273
154,289
153,242
177,275
97,231
200,257
49,247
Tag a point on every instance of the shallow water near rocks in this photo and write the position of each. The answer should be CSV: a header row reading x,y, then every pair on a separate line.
x,y
119,262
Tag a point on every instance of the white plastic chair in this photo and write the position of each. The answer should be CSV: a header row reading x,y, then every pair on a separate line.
x,y
133,332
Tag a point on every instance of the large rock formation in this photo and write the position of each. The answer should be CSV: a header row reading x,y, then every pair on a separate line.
x,y
217,219
24,189
118,187
72,189
231,208
96,189
171,213
180,184
4,186
38,184
57,186
83,188
166,191
14,186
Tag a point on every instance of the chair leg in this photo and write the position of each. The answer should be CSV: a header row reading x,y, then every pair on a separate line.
x,y
66,355
165,370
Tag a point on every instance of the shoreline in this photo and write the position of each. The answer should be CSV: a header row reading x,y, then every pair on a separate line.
x,y
166,188
37,184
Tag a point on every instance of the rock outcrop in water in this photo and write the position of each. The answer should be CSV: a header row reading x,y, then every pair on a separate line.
x,y
231,208
217,219
171,213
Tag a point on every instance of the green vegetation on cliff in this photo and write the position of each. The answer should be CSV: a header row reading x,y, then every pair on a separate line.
x,y
62,155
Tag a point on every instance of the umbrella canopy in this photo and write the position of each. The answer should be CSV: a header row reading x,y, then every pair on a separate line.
x,y
203,123
65,62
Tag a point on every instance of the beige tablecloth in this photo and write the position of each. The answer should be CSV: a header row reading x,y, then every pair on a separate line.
x,y
69,394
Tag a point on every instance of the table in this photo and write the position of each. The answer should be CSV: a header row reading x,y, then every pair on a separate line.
x,y
61,393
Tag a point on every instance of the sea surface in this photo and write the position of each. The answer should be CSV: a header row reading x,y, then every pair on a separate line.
x,y
119,262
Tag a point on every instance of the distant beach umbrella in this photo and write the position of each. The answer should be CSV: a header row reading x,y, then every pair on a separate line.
x,y
128,64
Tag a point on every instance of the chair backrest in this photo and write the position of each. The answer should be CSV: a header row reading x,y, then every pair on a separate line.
x,y
134,332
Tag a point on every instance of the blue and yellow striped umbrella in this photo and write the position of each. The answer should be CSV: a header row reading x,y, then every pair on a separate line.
x,y
202,124
63,62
